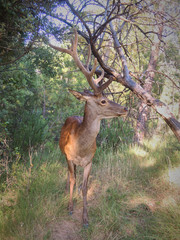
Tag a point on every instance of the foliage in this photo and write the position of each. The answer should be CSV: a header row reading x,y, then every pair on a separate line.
x,y
114,134
27,21
31,131
35,101
14,32
7,155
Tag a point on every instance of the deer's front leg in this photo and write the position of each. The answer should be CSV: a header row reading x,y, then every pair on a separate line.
x,y
87,170
72,181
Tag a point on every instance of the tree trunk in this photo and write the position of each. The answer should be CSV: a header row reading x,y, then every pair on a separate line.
x,y
144,110
141,127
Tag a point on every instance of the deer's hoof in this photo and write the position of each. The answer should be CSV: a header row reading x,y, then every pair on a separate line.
x,y
85,225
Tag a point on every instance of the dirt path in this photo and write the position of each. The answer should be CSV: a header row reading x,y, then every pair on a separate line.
x,y
70,228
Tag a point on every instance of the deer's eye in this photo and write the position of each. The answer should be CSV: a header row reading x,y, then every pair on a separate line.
x,y
103,102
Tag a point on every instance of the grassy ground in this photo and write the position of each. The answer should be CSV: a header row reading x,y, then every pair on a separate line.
x,y
129,197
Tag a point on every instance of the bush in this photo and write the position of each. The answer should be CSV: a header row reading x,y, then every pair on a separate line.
x,y
31,131
114,133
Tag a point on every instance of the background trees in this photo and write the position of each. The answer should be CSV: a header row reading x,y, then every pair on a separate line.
x,y
135,42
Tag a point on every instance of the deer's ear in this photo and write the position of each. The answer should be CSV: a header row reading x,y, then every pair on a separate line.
x,y
80,95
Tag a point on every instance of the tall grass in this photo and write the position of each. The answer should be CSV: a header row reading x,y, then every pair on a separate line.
x,y
136,200
129,195
34,200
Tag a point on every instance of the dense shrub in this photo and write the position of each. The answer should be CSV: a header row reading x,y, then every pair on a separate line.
x,y
114,133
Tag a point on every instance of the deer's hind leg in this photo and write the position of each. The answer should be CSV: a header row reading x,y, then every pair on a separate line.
x,y
72,181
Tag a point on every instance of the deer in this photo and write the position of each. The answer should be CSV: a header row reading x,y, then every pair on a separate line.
x,y
78,134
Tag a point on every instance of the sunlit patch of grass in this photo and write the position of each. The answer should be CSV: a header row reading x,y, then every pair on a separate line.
x,y
138,151
134,194
138,200
155,142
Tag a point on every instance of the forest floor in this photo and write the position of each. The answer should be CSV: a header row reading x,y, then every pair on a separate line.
x,y
131,196
71,228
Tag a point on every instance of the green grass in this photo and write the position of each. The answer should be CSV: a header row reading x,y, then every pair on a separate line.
x,y
130,197
37,200
136,200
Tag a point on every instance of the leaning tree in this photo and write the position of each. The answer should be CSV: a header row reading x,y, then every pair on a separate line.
x,y
119,27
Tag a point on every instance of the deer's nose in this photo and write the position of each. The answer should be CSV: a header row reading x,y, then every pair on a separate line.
x,y
125,108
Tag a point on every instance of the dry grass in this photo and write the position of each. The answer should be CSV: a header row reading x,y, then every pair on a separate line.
x,y
129,197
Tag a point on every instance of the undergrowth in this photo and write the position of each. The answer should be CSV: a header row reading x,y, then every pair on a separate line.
x,y
132,198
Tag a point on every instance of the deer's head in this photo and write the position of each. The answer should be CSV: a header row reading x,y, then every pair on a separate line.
x,y
101,105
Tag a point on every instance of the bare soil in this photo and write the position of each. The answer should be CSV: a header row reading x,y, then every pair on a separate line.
x,y
70,228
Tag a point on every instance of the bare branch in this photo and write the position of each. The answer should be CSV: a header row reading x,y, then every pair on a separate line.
x,y
161,73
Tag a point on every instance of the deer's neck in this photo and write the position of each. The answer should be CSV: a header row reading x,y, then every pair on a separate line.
x,y
91,123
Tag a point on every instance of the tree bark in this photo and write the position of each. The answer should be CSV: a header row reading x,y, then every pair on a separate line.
x,y
144,110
